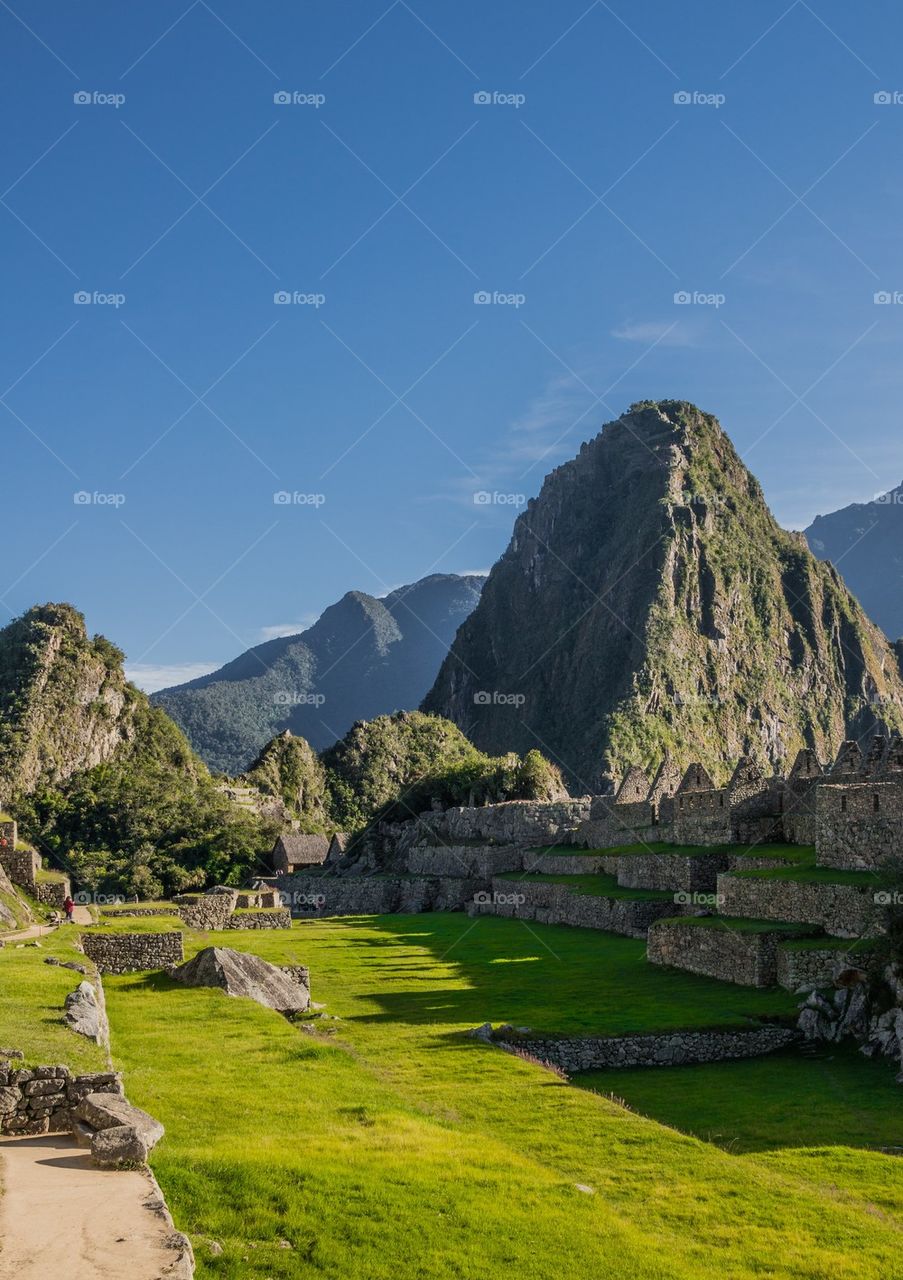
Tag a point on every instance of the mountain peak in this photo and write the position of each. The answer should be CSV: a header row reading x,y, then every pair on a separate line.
x,y
649,601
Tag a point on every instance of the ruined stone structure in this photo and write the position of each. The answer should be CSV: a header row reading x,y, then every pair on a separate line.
x,y
23,866
37,1100
132,952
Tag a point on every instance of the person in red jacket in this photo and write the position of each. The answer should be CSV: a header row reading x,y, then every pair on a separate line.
x,y
69,908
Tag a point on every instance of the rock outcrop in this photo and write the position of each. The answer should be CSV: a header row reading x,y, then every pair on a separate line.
x,y
85,1013
648,602
240,974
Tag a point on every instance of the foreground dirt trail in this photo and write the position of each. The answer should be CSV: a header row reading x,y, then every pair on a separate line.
x,y
62,1217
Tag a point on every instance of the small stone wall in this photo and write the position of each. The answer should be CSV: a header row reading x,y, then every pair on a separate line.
x,y
138,912
548,903
716,951
561,864
133,952
52,893
661,1049
677,872
464,860
845,910
21,865
811,968
43,1099
377,895
279,918
206,911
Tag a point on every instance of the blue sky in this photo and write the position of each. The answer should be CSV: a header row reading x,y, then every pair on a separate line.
x,y
182,196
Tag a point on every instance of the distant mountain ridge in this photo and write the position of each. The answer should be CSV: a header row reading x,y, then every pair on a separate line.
x,y
648,603
364,657
865,542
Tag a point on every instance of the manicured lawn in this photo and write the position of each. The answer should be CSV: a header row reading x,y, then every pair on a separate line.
x,y
31,1003
783,1100
600,885
397,1149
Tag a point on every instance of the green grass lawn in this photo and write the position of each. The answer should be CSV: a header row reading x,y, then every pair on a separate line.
x,y
31,1003
761,1104
397,1149
598,885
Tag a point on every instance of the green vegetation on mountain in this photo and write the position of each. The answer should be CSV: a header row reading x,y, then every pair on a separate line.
x,y
393,767
649,602
364,657
103,782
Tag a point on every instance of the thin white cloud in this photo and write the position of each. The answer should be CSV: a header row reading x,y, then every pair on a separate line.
x,y
149,676
287,628
649,331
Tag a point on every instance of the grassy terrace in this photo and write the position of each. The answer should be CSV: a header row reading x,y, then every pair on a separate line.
x,y
363,1150
765,1104
598,885
31,1003
742,924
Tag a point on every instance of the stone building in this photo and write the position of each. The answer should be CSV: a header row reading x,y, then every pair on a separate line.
x,y
293,852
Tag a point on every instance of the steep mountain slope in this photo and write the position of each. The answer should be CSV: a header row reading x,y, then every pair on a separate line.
x,y
648,601
101,780
865,541
364,657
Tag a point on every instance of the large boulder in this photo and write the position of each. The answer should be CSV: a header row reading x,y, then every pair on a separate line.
x,y
86,1013
119,1134
240,974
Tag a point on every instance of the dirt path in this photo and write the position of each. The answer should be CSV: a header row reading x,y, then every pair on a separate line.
x,y
60,1216
81,915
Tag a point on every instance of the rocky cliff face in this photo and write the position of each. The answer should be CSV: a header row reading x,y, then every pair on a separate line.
x,y
363,658
65,704
649,602
865,541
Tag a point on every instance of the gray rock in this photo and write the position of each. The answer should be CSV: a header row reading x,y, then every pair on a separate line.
x,y
9,1100
86,1014
239,974
111,1111
121,1144
483,1032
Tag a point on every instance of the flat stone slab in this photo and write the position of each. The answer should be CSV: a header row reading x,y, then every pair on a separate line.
x,y
239,974
102,1111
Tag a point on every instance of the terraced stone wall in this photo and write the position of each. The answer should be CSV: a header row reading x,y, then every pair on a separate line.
x,y
133,952
548,903
844,910
749,959
664,1049
810,968
378,895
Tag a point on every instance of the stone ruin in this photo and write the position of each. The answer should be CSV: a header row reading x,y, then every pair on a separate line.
x,y
851,810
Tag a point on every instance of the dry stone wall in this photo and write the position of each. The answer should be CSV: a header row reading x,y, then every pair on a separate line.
x,y
279,918
845,910
133,952
858,827
547,903
43,1099
377,895
206,911
810,968
520,822
662,1049
689,874
716,951
463,860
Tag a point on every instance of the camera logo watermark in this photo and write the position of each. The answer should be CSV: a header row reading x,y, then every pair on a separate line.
x,y
295,98
283,498
495,698
888,98
684,298
85,499
683,898
85,899
284,298
82,298
493,98
888,298
694,98
288,698
886,898
483,498
484,899
483,298
892,499
310,900
93,98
